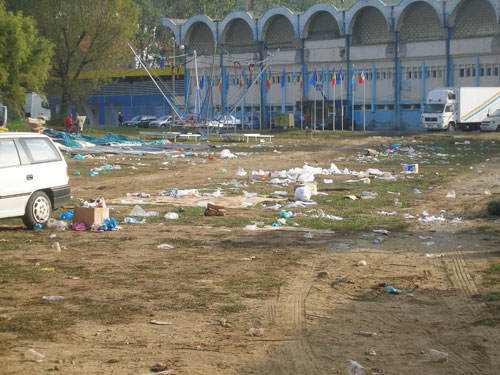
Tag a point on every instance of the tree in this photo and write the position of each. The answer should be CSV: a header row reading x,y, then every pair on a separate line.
x,y
24,59
90,36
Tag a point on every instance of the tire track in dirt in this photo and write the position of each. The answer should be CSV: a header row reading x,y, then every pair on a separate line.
x,y
288,312
462,358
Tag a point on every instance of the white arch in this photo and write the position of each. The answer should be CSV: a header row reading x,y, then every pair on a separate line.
x,y
452,7
263,22
402,7
234,16
175,28
305,19
352,13
201,18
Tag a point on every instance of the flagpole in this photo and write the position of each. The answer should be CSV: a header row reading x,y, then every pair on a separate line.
x,y
301,105
334,105
342,100
352,82
315,100
364,101
323,93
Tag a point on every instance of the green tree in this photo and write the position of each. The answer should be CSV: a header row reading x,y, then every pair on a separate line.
x,y
24,59
90,36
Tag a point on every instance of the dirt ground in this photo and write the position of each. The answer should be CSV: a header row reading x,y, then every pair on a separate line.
x,y
303,286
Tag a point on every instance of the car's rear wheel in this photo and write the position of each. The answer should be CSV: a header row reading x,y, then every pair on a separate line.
x,y
38,210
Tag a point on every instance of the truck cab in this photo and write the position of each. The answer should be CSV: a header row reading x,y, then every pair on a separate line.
x,y
36,106
440,110
3,116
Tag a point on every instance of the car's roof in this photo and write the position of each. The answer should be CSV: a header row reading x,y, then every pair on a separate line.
x,y
21,135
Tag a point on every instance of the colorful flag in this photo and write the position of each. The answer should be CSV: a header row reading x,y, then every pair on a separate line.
x,y
334,77
362,77
323,77
312,81
283,77
268,81
220,79
294,77
340,76
242,78
353,74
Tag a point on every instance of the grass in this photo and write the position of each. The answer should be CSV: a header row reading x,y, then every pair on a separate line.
x,y
492,274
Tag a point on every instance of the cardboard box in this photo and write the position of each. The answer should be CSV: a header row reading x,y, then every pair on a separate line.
x,y
90,215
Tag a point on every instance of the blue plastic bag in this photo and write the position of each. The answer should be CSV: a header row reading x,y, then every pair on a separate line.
x,y
66,215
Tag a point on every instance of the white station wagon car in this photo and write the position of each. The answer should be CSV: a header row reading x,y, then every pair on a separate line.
x,y
34,177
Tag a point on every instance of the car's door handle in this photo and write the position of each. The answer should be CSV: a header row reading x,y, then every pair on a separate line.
x,y
29,177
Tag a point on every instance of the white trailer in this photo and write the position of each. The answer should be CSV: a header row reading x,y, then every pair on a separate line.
x,y
462,107
36,107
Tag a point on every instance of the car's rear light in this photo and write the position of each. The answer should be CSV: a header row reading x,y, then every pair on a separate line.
x,y
67,174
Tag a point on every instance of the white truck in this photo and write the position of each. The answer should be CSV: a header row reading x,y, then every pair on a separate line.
x,y
36,106
459,107
3,116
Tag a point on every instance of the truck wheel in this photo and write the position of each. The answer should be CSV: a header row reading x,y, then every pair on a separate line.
x,y
38,210
451,127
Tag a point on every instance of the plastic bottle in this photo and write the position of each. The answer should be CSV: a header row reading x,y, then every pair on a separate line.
x,y
52,298
37,226
378,240
354,368
56,246
33,355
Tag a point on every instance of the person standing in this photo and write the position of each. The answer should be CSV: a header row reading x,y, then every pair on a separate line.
x,y
68,123
120,119
79,120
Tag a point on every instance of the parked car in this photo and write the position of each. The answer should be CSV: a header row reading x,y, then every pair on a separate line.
x,y
139,121
161,122
34,177
492,122
230,120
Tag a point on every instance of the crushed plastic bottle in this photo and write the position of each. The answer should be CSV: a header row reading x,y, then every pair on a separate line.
x,y
437,356
354,368
33,355
52,298
56,246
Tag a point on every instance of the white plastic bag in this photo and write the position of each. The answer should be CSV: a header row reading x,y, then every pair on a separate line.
x,y
171,215
240,172
302,193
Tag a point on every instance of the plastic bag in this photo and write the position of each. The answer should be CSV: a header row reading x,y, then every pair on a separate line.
x,y
302,193
138,211
66,215
171,215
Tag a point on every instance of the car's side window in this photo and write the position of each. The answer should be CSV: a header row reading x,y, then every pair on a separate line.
x,y
41,150
22,153
8,153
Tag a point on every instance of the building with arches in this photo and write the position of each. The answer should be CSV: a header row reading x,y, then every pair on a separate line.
x,y
405,49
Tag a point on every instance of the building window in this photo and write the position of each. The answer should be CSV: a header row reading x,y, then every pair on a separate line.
x,y
488,71
495,71
481,72
409,74
389,74
467,72
419,73
461,72
473,72
440,73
